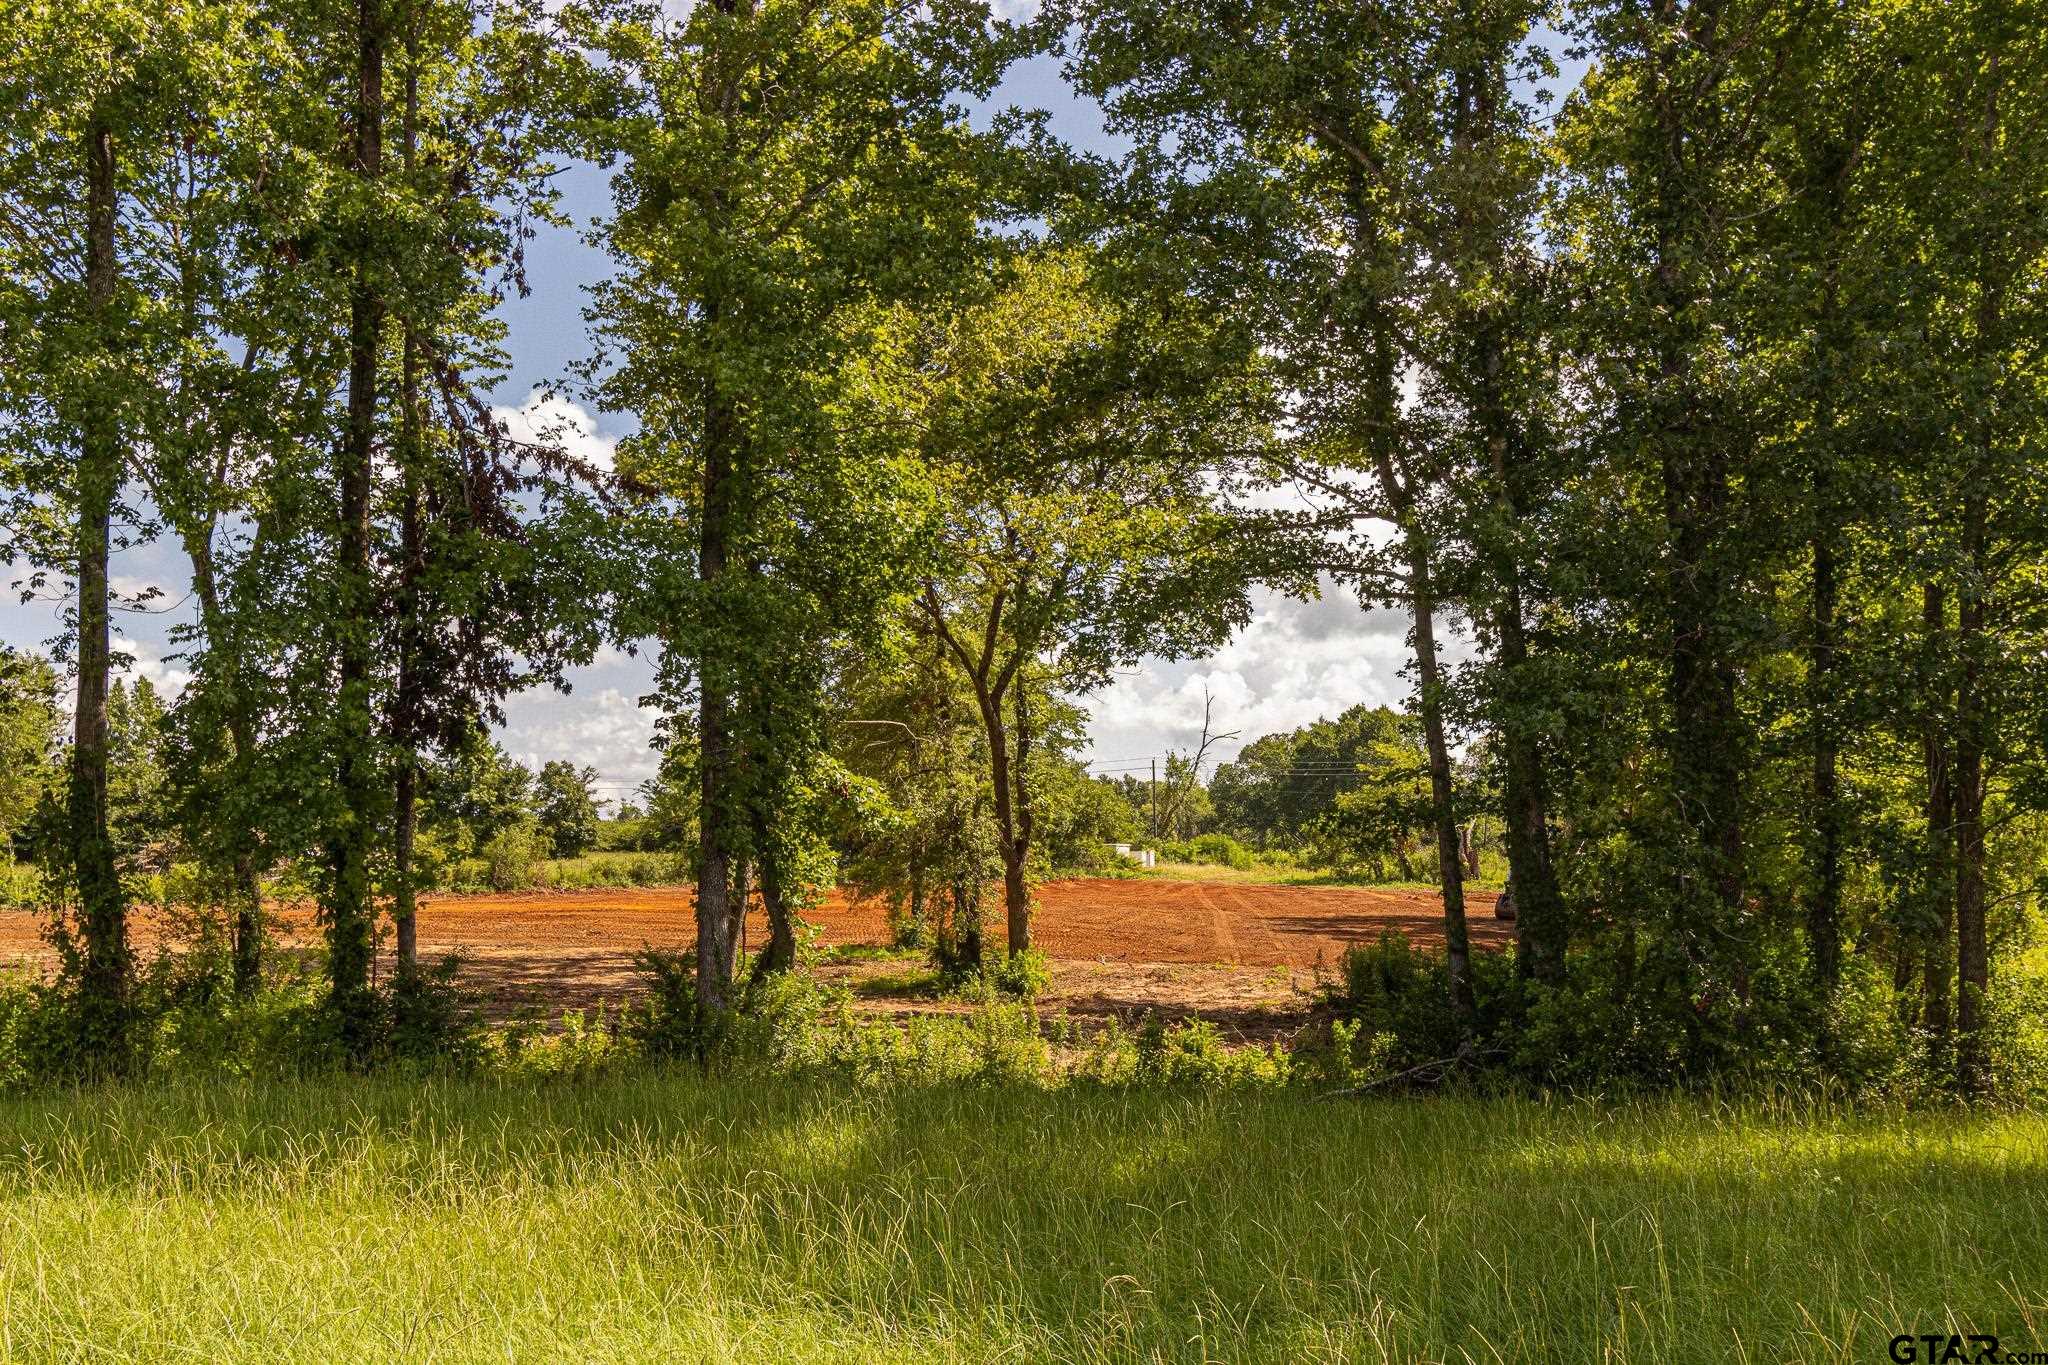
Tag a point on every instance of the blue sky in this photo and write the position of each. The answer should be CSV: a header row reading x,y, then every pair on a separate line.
x,y
1294,662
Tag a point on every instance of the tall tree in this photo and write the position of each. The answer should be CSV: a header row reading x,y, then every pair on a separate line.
x,y
1328,168
86,89
1074,448
787,168
1979,200
1665,203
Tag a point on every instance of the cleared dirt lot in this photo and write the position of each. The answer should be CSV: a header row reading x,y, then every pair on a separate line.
x,y
1243,954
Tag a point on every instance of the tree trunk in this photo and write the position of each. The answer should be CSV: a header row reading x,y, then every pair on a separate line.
x,y
102,908
714,717
1541,933
349,908
1444,812
1012,831
967,924
1705,736
225,671
1824,897
779,954
409,704
1973,967
1937,758
736,914
1016,893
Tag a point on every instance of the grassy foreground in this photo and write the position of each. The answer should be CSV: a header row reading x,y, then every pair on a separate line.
x,y
659,1216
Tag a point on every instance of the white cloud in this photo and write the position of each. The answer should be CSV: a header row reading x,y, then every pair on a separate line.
x,y
599,725
147,662
545,419
1295,663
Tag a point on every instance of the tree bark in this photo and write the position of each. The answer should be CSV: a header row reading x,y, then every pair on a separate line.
x,y
967,924
1016,892
409,703
1541,933
1938,760
714,713
1830,544
1429,688
1705,736
350,908
736,914
1824,896
779,953
106,965
1009,837
226,671
1008,773
1973,967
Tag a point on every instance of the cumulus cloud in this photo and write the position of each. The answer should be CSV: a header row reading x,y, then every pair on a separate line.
x,y
147,661
599,725
550,419
1296,662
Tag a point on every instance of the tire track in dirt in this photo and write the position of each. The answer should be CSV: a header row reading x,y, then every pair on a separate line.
x,y
1219,925
1267,950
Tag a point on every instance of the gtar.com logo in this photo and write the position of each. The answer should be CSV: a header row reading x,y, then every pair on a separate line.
x,y
1933,1348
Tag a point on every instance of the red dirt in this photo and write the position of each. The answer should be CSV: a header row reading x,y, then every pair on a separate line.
x,y
1237,952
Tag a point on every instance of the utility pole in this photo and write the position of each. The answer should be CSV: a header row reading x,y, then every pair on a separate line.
x,y
1152,800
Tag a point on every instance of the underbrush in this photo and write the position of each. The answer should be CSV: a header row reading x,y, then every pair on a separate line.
x,y
183,1017
1385,1025
516,869
21,886
1608,1031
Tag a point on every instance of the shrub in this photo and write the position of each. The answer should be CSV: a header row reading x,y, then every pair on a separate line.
x,y
515,858
1191,1052
615,869
21,886
1025,975
668,1023
1220,850
1395,990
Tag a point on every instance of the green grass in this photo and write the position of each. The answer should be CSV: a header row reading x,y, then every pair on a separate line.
x,y
656,1216
915,983
614,868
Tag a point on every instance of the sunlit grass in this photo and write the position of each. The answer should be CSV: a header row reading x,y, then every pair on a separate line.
x,y
614,868
660,1216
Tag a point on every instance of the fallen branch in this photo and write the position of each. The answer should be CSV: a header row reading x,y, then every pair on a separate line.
x,y
1465,1053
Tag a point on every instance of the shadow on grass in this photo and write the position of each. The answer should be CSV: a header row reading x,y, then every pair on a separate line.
x,y
1094,1223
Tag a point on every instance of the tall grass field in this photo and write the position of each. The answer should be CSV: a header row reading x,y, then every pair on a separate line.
x,y
656,1215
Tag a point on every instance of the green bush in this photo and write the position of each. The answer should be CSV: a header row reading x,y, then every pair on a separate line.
x,y
185,1019
1191,1052
515,858
1396,991
666,1023
1219,850
1025,975
21,886
594,870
